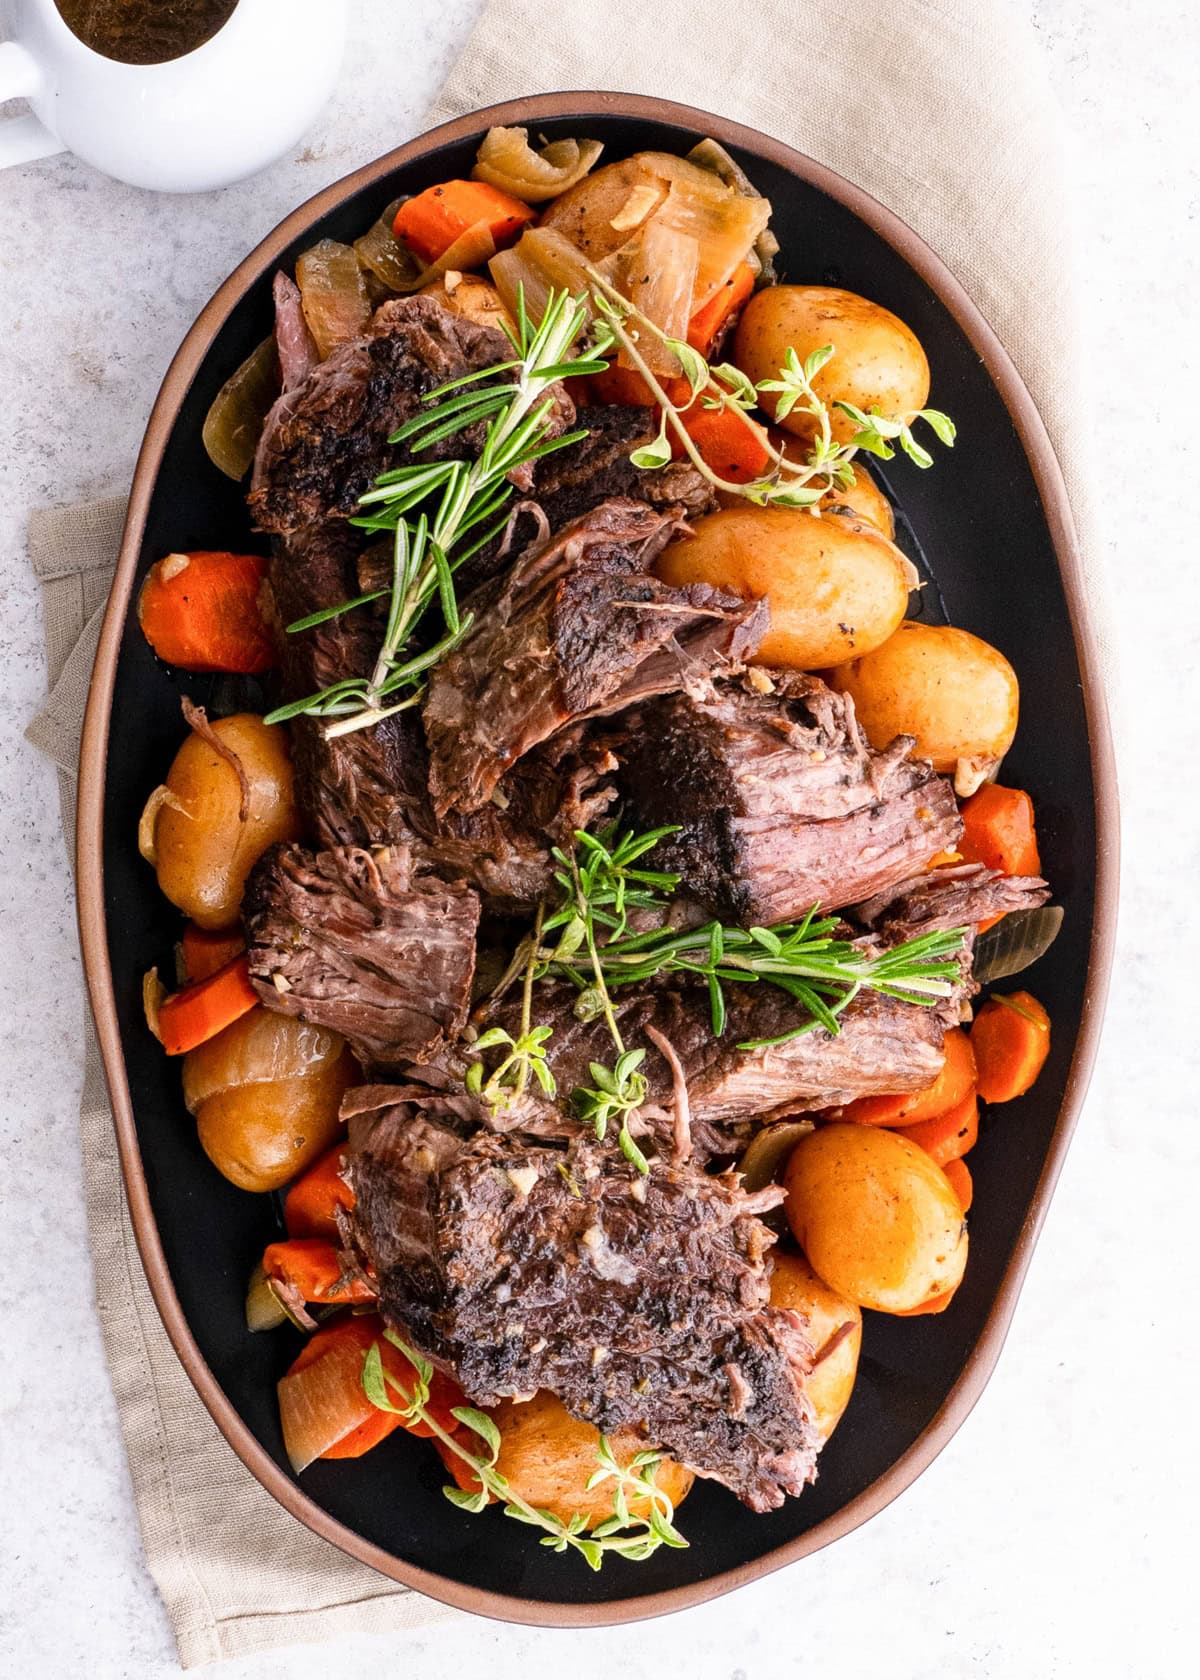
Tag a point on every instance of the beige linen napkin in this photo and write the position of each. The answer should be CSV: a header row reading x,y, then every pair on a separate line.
x,y
941,109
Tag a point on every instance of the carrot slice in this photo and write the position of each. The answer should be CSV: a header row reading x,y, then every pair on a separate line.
x,y
961,1182
200,1012
1011,1038
616,384
312,1267
310,1206
202,611
324,1408
998,830
935,1304
431,222
949,1135
955,1082
205,950
707,322
732,444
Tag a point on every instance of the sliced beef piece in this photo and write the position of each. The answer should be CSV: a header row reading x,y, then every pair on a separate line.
x,y
884,1046
573,481
326,440
641,1303
298,353
578,628
352,941
959,895
781,802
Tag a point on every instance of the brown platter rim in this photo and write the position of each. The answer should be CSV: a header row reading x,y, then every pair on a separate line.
x,y
90,870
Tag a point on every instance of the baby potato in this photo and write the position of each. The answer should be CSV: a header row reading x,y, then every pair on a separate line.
x,y
865,499
468,295
202,849
836,585
954,692
877,361
265,1093
794,1284
875,1215
549,1456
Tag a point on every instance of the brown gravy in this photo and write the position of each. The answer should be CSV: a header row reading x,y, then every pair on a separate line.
x,y
145,31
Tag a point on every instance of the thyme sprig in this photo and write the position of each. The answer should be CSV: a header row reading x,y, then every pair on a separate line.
x,y
463,506
789,483
621,1535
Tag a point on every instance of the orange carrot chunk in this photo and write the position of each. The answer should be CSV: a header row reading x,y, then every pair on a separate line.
x,y
205,950
998,830
431,222
310,1206
949,1135
324,1408
732,444
313,1268
1011,1038
935,1304
202,611
955,1082
200,1012
707,322
616,384
961,1182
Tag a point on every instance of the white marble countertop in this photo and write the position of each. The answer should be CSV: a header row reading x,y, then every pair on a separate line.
x,y
1050,1538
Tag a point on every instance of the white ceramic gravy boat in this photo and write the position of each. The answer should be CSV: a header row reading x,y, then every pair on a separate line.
x,y
219,113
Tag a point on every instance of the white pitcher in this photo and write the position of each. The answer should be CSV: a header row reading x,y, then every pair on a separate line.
x,y
214,115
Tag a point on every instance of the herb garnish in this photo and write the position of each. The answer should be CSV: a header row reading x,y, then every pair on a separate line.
x,y
470,508
622,1534
790,483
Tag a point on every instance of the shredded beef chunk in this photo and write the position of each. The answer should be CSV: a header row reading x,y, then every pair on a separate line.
x,y
326,440
579,628
782,803
641,1303
573,481
961,895
351,941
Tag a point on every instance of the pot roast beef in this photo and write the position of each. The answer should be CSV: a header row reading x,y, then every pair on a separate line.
x,y
577,629
641,1303
326,440
352,941
574,480
956,895
781,802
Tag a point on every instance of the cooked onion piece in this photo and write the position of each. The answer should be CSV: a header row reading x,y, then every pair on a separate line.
x,y
543,260
387,258
333,288
506,160
234,423
657,273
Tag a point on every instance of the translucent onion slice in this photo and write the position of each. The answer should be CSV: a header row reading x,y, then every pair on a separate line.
x,y
234,423
507,160
724,224
710,154
657,273
148,821
542,260
389,260
333,289
767,1152
321,1404
264,1309
153,993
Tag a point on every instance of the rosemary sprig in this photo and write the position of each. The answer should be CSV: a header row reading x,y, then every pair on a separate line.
x,y
789,483
622,1534
463,506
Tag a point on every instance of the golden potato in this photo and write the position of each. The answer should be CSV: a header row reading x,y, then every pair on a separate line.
x,y
877,362
265,1094
794,1284
203,849
865,499
835,583
549,1456
876,1217
954,692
